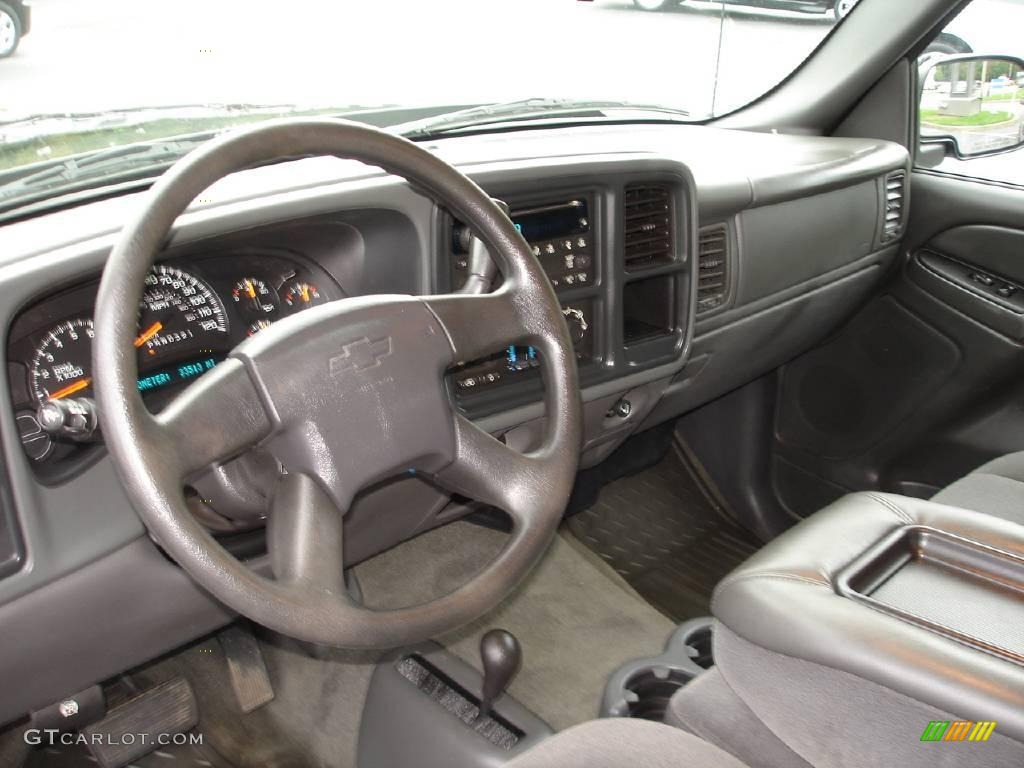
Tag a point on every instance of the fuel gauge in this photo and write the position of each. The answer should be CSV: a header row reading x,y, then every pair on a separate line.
x,y
301,296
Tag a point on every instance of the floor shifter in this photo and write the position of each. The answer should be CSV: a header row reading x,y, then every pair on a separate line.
x,y
502,657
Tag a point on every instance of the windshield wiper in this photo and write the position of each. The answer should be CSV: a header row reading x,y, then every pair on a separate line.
x,y
528,110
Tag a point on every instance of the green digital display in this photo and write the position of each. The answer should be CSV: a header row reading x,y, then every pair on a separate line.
x,y
176,374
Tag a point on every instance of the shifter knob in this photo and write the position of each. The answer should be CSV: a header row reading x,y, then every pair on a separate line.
x,y
502,656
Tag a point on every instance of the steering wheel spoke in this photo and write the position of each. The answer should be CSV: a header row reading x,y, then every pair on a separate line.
x,y
479,324
217,417
304,536
487,470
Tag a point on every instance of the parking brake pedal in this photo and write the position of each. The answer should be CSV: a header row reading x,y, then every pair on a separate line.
x,y
246,668
135,728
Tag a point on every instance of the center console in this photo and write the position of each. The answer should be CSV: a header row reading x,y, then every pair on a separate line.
x,y
617,249
915,610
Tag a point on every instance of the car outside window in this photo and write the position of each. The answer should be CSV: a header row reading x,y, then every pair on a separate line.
x,y
84,77
989,29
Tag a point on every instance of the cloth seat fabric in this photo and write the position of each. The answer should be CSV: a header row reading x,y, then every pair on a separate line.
x,y
624,743
996,488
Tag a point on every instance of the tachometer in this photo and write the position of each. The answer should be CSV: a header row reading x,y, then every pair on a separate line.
x,y
62,362
179,313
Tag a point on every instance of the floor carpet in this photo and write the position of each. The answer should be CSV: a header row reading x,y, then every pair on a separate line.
x,y
576,619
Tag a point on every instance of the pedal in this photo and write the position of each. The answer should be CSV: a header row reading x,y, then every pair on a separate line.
x,y
133,729
246,668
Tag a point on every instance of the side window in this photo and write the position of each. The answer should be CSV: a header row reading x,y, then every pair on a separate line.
x,y
971,111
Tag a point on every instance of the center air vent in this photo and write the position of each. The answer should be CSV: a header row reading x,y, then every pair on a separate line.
x,y
648,226
713,276
895,195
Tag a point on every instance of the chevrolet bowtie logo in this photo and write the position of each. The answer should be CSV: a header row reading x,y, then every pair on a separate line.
x,y
360,355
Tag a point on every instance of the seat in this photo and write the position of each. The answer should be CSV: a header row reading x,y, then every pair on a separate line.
x,y
810,673
624,743
996,488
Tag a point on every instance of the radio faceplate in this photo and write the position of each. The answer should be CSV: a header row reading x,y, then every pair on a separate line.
x,y
559,234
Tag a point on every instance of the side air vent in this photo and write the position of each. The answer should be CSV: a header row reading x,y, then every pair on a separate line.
x,y
648,226
713,269
895,195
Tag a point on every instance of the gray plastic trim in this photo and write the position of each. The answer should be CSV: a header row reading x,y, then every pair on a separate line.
x,y
676,660
403,728
114,614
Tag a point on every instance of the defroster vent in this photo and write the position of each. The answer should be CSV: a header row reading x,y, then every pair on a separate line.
x,y
713,274
647,226
895,197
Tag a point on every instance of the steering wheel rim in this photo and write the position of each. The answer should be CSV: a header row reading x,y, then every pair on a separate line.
x,y
370,355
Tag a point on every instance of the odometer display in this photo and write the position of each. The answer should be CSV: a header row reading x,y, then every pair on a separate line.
x,y
179,314
177,374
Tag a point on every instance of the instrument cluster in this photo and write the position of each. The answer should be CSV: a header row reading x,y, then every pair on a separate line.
x,y
192,313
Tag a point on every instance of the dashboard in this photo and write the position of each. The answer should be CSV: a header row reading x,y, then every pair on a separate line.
x,y
688,261
192,313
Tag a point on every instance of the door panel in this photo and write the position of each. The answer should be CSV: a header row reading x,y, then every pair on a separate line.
x,y
925,383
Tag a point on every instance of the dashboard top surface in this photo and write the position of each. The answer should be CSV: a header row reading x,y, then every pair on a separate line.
x,y
732,170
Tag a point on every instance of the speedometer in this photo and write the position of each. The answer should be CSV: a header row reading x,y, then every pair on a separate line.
x,y
179,314
183,332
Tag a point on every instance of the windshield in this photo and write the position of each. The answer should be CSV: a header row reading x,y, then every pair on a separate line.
x,y
86,76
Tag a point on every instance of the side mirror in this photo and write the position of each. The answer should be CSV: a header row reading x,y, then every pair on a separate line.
x,y
972,104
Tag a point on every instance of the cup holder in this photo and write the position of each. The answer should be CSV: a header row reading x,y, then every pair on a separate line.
x,y
700,641
642,688
652,687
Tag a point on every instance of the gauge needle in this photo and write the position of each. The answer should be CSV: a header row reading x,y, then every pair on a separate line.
x,y
70,389
250,289
305,293
149,333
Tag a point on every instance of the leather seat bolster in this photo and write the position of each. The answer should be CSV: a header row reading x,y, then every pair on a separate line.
x,y
785,599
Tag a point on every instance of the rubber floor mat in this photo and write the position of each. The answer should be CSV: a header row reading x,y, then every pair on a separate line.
x,y
668,540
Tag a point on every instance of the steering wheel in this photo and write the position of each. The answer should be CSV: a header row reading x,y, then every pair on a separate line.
x,y
343,395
